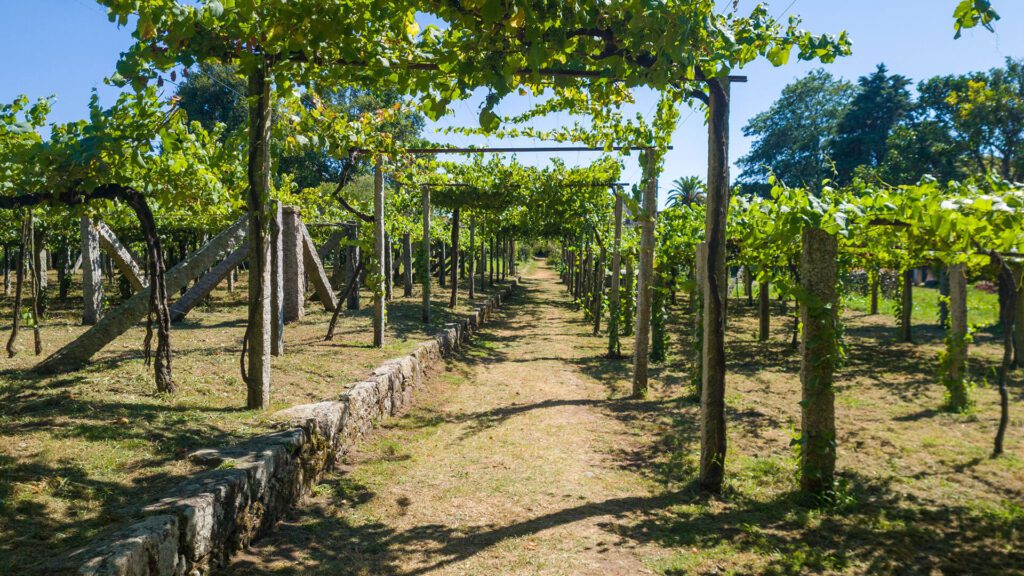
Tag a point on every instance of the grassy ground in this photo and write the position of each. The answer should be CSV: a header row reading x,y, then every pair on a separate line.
x,y
526,457
81,453
982,306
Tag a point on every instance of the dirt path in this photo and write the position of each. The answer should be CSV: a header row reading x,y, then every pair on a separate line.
x,y
515,461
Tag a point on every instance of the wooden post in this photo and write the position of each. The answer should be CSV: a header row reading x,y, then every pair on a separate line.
x,y
407,263
92,275
454,300
352,265
614,345
819,353
956,346
645,284
472,258
907,307
257,199
713,433
379,306
426,255
277,275
492,257
748,285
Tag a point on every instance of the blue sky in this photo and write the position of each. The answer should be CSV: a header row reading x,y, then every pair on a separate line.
x,y
66,47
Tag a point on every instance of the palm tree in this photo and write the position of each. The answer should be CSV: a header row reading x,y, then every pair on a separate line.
x,y
686,191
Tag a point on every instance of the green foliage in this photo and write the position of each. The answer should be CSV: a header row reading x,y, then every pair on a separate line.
x,y
793,137
861,139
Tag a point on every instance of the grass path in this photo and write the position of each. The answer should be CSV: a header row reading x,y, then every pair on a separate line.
x,y
515,461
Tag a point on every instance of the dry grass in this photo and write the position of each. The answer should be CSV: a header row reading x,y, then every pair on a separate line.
x,y
525,458
81,453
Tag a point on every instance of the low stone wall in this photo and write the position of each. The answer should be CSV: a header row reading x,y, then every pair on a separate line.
x,y
196,529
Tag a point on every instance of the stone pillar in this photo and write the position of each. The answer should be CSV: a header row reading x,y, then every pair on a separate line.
x,y
764,308
614,346
92,274
943,291
874,291
907,307
1018,334
351,265
277,316
956,346
426,279
748,285
645,283
42,260
294,272
407,263
442,264
389,268
379,305
453,301
472,258
819,353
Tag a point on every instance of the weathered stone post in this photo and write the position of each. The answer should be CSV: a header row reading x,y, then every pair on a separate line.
x,y
907,307
748,285
764,311
92,274
42,260
407,263
426,255
818,355
943,302
276,279
379,305
454,300
1018,333
352,265
956,380
389,268
874,291
483,263
614,346
629,311
598,291
7,269
442,264
472,258
294,271
700,263
645,284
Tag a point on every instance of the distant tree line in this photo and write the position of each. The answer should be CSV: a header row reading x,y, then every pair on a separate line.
x,y
951,127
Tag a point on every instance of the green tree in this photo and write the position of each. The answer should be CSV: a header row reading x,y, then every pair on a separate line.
x,y
214,94
792,138
989,108
686,191
862,134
